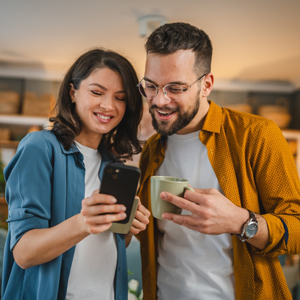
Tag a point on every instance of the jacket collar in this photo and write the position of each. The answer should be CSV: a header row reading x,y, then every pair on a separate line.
x,y
72,150
104,156
213,119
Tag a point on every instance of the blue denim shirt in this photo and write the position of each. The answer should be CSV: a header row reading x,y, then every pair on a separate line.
x,y
45,186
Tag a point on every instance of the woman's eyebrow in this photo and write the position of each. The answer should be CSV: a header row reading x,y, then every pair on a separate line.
x,y
105,89
99,85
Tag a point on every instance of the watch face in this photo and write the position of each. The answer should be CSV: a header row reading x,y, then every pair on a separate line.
x,y
251,230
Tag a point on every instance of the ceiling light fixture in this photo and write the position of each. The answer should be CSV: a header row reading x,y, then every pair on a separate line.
x,y
149,23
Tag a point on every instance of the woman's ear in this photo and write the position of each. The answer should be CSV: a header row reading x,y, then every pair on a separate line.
x,y
72,93
208,84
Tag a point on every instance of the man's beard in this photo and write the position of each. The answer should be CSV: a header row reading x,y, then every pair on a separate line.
x,y
184,118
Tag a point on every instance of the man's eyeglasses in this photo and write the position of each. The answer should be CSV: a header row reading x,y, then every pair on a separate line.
x,y
172,92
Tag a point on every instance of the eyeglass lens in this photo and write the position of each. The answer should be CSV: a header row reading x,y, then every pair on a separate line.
x,y
172,92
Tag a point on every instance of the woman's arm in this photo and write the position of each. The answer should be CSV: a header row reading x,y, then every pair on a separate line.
x,y
39,246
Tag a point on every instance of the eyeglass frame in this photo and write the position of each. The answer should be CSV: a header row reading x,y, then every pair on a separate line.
x,y
163,88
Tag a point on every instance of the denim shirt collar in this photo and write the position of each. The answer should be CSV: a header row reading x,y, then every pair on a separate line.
x,y
105,158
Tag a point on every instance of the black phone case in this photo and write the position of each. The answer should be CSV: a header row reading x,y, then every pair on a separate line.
x,y
121,181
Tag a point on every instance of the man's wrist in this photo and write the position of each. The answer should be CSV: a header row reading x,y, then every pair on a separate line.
x,y
250,228
241,219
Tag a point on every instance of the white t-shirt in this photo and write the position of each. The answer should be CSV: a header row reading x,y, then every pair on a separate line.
x,y
192,265
95,258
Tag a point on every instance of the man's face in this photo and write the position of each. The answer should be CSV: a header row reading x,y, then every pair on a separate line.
x,y
174,117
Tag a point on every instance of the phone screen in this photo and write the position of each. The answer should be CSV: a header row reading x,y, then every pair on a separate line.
x,y
121,181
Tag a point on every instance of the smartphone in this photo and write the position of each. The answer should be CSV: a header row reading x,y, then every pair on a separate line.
x,y
121,181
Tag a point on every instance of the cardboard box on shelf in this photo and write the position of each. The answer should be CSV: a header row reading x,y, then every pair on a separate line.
x,y
4,134
37,106
9,102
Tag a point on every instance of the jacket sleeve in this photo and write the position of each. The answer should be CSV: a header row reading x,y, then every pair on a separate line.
x,y
143,163
28,187
278,186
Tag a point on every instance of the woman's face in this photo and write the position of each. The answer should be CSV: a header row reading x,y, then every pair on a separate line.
x,y
100,104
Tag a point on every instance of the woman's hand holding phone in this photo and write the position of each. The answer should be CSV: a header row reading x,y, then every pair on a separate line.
x,y
99,211
141,219
140,222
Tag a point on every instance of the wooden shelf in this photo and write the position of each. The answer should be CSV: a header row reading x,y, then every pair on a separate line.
x,y
9,144
23,120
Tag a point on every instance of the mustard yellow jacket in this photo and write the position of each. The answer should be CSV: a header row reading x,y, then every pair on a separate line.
x,y
256,170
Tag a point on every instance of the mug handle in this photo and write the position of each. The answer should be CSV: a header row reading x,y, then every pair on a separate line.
x,y
189,188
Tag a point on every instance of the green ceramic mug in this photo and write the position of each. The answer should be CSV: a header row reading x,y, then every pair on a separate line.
x,y
170,184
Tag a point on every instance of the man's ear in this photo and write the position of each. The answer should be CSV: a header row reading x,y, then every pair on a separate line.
x,y
208,84
72,93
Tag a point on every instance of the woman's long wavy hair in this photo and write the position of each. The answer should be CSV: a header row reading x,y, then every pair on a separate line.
x,y
121,141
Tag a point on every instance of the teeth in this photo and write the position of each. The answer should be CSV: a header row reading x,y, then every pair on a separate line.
x,y
164,113
103,117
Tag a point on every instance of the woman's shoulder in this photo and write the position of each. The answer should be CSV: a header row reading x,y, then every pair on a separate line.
x,y
39,138
38,141
34,146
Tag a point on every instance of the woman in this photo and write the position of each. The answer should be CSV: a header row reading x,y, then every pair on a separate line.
x,y
53,189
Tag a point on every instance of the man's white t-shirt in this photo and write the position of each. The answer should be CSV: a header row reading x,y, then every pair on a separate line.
x,y
192,265
93,268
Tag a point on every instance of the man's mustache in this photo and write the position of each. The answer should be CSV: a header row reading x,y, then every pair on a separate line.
x,y
165,109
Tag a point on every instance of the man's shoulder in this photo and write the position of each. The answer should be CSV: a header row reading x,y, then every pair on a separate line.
x,y
241,121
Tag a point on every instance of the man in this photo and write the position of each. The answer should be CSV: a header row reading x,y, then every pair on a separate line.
x,y
245,209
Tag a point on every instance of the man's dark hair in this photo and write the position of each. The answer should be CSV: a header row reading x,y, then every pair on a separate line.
x,y
172,37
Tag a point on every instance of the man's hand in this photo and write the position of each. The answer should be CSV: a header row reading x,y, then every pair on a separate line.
x,y
212,212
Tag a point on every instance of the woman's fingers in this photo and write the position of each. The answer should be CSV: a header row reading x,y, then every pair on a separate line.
x,y
97,198
99,211
141,217
105,218
144,210
100,204
100,223
140,220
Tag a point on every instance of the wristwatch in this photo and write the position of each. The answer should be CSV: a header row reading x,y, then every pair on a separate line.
x,y
249,229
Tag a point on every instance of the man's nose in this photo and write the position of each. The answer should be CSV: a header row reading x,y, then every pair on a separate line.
x,y
160,99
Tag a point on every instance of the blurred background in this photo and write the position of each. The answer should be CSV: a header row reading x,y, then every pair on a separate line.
x,y
256,61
